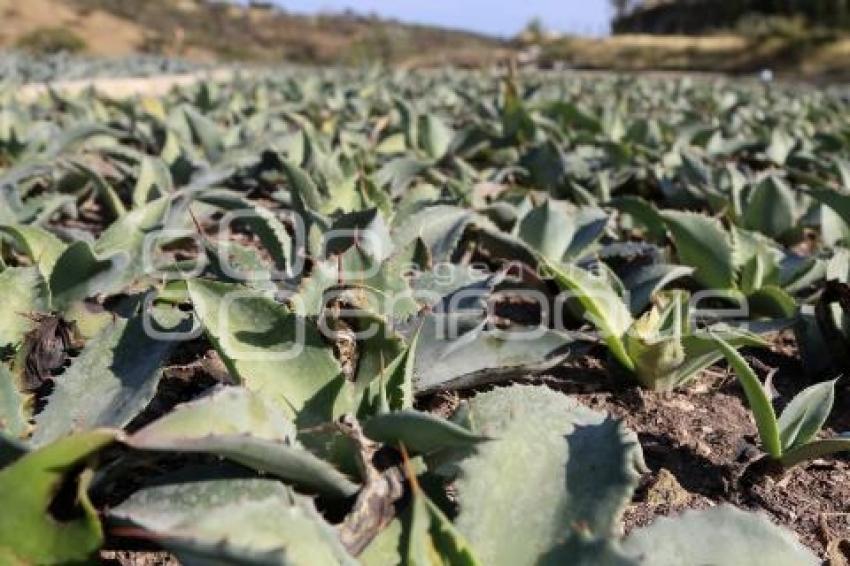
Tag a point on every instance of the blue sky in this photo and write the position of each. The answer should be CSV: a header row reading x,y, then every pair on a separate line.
x,y
498,17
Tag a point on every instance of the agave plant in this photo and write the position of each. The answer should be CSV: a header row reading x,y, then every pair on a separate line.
x,y
791,439
194,519
660,349
745,266
224,311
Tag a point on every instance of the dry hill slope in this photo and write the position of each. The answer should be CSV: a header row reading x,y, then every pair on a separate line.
x,y
210,29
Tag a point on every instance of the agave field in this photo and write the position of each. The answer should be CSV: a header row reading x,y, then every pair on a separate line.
x,y
337,317
20,68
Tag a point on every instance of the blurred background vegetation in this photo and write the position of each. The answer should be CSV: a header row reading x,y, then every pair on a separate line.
x,y
798,38
808,39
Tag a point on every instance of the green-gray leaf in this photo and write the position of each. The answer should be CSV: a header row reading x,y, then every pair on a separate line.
x,y
702,244
804,416
111,381
255,521
582,466
244,427
422,433
22,291
722,535
271,350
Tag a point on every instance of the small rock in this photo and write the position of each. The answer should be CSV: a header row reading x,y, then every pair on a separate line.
x,y
682,405
665,490
702,448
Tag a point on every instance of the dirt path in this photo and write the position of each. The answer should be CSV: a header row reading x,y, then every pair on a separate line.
x,y
123,87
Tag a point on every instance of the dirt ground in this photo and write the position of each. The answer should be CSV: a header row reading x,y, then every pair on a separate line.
x,y
700,443
123,87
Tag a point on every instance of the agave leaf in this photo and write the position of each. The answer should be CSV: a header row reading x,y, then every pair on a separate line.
x,y
234,262
583,468
501,245
547,166
572,116
225,411
250,521
396,380
559,233
399,173
248,429
375,196
781,145
421,433
104,190
128,234
439,227
292,464
702,244
384,548
207,132
834,229
13,415
721,535
429,538
602,306
757,398
79,273
154,180
804,416
798,274
365,229
591,223
394,144
22,291
772,301
644,283
771,208
115,261
668,353
816,449
815,351
262,221
311,297
271,350
839,202
517,122
757,256
655,357
28,532
42,247
435,287
435,136
77,134
359,280
700,352
454,353
111,381
303,188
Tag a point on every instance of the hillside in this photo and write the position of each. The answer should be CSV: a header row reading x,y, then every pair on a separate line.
x,y
694,17
825,61
205,30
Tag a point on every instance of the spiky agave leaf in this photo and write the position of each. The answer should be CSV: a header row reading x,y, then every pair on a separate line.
x,y
249,429
554,473
28,531
253,521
